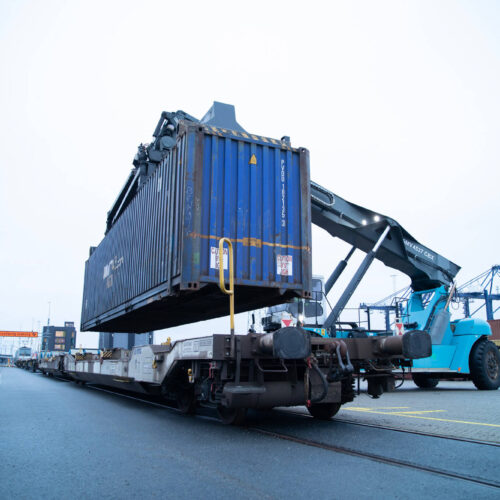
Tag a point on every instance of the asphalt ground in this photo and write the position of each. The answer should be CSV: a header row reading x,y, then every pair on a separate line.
x,y
61,440
454,409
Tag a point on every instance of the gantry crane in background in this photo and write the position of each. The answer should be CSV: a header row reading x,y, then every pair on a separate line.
x,y
484,288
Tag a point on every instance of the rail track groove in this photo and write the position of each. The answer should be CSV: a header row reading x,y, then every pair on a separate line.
x,y
377,458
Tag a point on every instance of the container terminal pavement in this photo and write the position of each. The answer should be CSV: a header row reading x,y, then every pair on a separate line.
x,y
63,440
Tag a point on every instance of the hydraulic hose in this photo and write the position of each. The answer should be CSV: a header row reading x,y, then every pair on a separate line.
x,y
324,382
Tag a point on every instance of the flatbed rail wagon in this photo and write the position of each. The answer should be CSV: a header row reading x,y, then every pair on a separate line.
x,y
232,373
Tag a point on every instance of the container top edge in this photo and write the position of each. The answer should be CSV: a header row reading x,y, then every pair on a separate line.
x,y
244,136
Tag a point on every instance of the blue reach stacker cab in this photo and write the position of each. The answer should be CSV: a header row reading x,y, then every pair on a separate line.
x,y
460,349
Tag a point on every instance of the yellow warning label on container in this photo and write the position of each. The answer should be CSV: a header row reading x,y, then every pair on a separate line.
x,y
253,160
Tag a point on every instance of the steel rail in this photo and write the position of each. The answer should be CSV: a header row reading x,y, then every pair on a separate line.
x,y
397,429
376,458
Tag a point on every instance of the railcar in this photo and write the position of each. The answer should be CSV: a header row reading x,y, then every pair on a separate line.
x,y
232,373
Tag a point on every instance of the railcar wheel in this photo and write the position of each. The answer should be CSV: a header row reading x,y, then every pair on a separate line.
x,y
424,381
324,411
231,416
186,402
484,361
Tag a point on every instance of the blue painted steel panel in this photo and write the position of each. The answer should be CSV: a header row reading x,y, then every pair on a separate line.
x,y
441,358
157,265
463,343
471,326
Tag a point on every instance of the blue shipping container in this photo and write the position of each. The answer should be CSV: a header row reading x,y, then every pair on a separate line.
x,y
158,264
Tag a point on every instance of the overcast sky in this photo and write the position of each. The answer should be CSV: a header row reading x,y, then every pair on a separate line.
x,y
398,103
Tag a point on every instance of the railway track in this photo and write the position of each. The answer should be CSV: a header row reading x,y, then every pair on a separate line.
x,y
377,458
397,429
360,453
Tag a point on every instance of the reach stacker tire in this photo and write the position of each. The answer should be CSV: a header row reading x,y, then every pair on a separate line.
x,y
324,411
424,381
484,361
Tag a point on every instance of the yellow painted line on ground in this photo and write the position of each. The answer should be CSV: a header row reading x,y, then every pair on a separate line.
x,y
392,408
402,414
414,412
361,408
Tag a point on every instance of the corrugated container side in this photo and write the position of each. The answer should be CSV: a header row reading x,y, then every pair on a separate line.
x,y
142,240
157,266
263,218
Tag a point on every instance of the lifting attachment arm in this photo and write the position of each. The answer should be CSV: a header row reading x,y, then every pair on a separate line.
x,y
363,229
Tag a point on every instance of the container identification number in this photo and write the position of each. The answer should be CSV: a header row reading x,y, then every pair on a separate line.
x,y
283,194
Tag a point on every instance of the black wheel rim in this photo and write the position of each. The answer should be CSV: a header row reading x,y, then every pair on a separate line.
x,y
492,365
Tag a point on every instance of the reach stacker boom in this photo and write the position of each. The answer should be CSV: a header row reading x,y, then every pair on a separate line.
x,y
460,348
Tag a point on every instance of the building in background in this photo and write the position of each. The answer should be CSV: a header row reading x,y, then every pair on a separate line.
x,y
105,340
108,340
6,360
59,338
